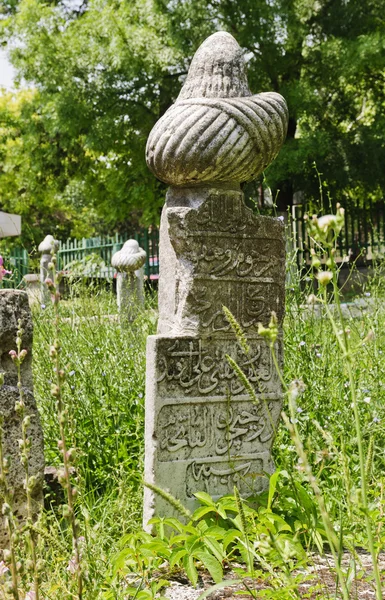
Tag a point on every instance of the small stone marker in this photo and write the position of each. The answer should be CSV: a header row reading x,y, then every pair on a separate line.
x,y
32,287
203,432
14,306
47,247
129,263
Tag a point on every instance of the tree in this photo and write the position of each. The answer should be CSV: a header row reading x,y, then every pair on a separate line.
x,y
36,177
105,70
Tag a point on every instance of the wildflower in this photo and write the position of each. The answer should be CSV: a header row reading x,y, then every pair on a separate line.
x,y
42,306
367,399
369,337
315,261
338,412
324,277
71,373
302,343
367,294
296,388
376,420
299,410
321,227
30,595
3,271
312,299
73,565
270,332
318,354
3,568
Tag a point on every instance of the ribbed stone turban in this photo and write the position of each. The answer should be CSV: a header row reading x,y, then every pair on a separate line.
x,y
130,258
217,130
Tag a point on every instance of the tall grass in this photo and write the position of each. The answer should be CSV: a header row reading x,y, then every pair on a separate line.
x,y
104,392
104,389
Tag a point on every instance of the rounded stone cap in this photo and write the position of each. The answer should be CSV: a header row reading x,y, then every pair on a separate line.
x,y
130,258
217,70
49,245
217,130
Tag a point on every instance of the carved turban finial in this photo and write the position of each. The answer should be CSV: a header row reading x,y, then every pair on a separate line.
x,y
130,258
49,245
217,130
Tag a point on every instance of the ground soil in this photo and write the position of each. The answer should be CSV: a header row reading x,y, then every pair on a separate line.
x,y
319,582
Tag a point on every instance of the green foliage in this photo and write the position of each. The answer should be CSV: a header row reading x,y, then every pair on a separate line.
x,y
217,534
104,71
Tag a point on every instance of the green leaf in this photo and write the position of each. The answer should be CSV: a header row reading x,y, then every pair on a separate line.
x,y
202,511
231,536
205,498
193,540
190,568
172,522
216,532
176,555
119,560
215,548
213,566
272,487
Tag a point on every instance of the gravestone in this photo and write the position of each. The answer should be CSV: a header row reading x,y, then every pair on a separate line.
x,y
203,431
129,263
47,247
32,287
14,306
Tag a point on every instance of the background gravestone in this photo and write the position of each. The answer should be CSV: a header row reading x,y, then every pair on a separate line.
x,y
14,306
47,247
203,432
129,263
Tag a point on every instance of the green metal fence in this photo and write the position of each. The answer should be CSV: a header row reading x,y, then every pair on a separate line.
x,y
17,262
72,252
363,236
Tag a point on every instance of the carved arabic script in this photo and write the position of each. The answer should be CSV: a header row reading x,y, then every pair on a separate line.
x,y
199,367
199,430
219,478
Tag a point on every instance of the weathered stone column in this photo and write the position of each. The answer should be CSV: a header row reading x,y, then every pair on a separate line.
x,y
129,263
47,247
203,431
14,306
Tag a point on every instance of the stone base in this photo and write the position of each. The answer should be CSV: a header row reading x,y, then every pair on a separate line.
x,y
203,432
14,306
10,440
